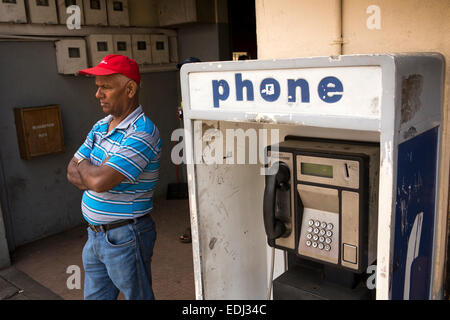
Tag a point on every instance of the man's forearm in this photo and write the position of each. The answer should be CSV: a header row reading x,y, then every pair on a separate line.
x,y
89,174
74,176
99,178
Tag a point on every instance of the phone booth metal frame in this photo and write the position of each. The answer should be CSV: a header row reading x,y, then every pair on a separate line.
x,y
401,98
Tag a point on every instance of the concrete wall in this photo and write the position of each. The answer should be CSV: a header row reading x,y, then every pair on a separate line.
x,y
4,250
143,13
208,42
36,198
292,28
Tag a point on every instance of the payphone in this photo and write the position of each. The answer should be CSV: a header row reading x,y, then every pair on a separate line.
x,y
339,210
320,204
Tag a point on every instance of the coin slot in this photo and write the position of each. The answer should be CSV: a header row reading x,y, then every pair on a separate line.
x,y
347,175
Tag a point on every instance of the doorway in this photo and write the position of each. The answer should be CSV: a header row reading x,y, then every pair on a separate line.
x,y
242,20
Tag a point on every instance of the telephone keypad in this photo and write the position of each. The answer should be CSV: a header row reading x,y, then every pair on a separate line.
x,y
314,241
320,236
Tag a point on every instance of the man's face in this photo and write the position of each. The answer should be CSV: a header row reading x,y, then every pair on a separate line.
x,y
112,93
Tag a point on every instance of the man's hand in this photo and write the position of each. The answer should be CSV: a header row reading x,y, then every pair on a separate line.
x,y
87,176
73,175
99,179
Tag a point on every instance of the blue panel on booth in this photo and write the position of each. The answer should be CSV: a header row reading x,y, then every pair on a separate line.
x,y
414,216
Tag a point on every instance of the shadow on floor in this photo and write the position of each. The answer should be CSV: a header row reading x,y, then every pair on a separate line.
x,y
54,261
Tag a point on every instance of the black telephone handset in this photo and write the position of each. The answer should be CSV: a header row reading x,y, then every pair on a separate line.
x,y
277,202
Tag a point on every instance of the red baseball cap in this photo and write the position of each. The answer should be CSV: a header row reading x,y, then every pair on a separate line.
x,y
115,63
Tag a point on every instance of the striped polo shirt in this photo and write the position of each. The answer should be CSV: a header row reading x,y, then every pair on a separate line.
x,y
135,147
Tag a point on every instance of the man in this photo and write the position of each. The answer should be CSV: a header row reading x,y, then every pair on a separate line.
x,y
118,167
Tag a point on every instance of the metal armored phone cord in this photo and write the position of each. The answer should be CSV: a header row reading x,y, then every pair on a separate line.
x,y
269,293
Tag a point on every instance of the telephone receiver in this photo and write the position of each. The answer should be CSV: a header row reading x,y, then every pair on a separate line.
x,y
277,208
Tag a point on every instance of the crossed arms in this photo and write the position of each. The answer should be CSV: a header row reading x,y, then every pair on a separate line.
x,y
128,162
87,176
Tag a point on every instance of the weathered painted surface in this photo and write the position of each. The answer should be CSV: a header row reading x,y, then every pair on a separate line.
x,y
415,216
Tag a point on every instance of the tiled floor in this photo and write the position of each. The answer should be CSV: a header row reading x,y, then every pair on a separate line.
x,y
48,260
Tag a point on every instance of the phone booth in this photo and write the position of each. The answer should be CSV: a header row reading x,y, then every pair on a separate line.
x,y
315,178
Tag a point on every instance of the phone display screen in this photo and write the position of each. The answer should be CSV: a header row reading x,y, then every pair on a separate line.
x,y
318,170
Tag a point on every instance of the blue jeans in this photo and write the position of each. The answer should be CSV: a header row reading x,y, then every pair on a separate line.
x,y
119,260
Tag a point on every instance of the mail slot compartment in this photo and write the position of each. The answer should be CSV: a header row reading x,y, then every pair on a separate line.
x,y
43,11
71,55
13,11
122,45
160,48
142,51
95,12
118,13
39,131
99,46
